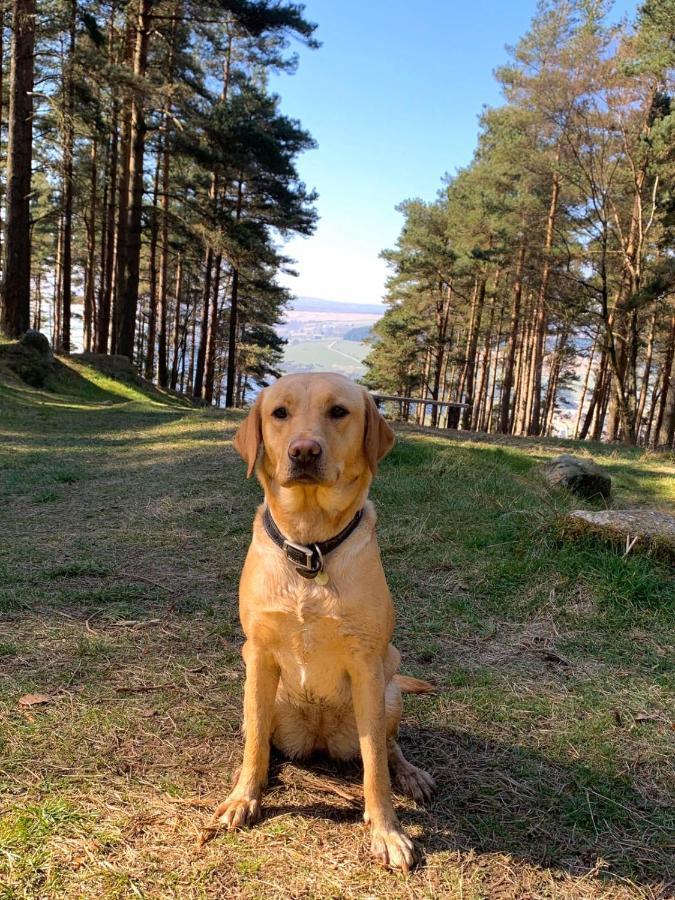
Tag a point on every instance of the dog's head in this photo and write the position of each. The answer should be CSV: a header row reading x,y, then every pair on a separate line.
x,y
314,429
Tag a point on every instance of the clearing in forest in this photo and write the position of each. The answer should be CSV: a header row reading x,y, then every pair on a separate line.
x,y
125,517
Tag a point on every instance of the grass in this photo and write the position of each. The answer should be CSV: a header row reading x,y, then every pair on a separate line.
x,y
125,517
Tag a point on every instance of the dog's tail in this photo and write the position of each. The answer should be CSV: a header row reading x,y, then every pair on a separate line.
x,y
414,685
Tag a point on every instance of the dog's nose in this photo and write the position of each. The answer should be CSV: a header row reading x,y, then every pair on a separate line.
x,y
304,450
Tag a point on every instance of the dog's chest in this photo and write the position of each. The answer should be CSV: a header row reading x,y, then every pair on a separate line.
x,y
313,645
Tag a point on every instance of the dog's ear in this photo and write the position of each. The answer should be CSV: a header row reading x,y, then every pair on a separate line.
x,y
248,439
379,437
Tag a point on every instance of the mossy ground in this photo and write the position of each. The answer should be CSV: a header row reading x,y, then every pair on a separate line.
x,y
125,518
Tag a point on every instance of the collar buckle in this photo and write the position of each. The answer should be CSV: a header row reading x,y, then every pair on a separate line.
x,y
306,559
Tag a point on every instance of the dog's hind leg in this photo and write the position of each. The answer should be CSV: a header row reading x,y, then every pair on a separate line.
x,y
409,779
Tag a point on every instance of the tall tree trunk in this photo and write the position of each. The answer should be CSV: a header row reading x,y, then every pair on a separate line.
x,y
424,387
63,343
554,380
107,276
647,371
661,424
442,316
15,317
601,410
122,226
209,375
667,431
523,377
234,301
2,114
152,276
584,389
472,346
90,275
540,326
176,325
495,369
58,278
162,340
204,324
193,351
509,364
652,410
37,318
232,341
128,297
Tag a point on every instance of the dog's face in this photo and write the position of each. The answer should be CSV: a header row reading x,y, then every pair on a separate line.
x,y
314,430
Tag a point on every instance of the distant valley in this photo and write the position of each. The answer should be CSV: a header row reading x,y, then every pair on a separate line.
x,y
324,335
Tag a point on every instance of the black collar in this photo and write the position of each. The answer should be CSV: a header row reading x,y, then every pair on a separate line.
x,y
307,559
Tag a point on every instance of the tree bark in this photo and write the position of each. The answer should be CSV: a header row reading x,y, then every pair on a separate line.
x,y
472,346
162,348
63,342
89,292
122,226
507,383
176,324
15,317
212,337
128,297
2,114
646,374
204,324
540,326
232,341
152,276
162,339
584,390
661,425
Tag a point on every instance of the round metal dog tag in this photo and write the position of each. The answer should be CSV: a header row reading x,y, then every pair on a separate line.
x,y
322,578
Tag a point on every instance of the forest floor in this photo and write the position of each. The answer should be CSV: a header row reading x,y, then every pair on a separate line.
x,y
124,520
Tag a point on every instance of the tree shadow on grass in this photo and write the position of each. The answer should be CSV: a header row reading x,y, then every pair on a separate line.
x,y
495,798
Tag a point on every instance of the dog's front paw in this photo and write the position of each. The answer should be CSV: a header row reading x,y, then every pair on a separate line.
x,y
237,812
392,847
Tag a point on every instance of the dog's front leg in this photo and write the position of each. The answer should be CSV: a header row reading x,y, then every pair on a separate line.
x,y
390,844
242,807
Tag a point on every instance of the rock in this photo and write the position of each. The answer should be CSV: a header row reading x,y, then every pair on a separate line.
x,y
37,341
581,476
33,366
649,529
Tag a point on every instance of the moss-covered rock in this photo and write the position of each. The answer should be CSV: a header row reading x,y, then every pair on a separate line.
x,y
581,476
32,361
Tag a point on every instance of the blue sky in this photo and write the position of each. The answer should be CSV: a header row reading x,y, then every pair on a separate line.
x,y
392,98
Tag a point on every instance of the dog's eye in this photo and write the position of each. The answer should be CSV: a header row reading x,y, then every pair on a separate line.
x,y
338,412
280,412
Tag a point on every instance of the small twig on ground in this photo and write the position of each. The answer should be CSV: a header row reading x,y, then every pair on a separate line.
x,y
630,543
134,624
144,688
136,577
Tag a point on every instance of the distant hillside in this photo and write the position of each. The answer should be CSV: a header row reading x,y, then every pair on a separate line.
x,y
314,304
359,334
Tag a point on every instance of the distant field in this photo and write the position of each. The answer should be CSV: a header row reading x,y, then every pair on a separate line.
x,y
326,355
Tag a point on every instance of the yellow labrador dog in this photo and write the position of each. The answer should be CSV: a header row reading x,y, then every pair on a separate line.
x,y
314,603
